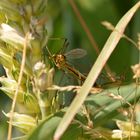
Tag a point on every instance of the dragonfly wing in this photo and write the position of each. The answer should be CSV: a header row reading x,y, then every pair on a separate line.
x,y
76,54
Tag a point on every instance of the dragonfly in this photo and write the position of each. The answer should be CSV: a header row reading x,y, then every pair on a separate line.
x,y
61,61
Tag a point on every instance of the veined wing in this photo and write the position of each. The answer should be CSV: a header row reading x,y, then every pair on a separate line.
x,y
75,53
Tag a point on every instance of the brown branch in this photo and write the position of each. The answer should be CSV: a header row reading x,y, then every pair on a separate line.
x,y
85,27
90,36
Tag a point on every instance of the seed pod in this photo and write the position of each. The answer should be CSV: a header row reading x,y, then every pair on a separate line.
x,y
9,86
24,123
11,36
35,51
8,8
29,12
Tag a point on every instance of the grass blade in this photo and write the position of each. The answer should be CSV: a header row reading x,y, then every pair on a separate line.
x,y
95,71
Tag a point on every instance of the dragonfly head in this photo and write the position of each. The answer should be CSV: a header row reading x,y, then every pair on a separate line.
x,y
59,60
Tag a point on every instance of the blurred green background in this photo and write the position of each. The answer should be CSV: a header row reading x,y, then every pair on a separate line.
x,y
62,22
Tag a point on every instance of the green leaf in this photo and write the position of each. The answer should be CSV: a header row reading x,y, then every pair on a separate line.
x,y
47,128
107,106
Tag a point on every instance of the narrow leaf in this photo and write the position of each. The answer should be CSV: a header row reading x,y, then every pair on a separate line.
x,y
95,71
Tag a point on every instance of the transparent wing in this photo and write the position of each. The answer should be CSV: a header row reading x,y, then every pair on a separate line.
x,y
75,54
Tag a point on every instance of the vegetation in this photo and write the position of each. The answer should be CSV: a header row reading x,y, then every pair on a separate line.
x,y
47,48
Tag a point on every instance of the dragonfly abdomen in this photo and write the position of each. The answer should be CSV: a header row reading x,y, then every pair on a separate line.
x,y
75,72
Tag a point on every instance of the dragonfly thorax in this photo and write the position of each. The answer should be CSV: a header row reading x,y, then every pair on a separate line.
x,y
60,60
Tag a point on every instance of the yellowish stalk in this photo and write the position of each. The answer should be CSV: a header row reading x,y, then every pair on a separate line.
x,y
18,86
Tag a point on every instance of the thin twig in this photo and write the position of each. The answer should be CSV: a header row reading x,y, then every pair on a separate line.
x,y
17,89
84,25
90,36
